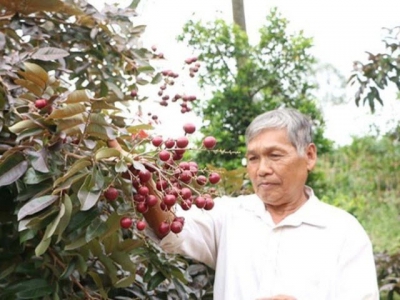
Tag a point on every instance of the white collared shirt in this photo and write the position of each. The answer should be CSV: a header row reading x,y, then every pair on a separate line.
x,y
319,252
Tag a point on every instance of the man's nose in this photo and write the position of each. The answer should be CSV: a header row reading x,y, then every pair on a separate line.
x,y
264,168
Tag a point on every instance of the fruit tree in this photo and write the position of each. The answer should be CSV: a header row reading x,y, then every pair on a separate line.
x,y
79,165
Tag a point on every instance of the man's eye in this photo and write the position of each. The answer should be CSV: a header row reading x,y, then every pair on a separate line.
x,y
251,158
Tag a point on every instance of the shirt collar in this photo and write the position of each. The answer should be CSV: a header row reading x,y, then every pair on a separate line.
x,y
309,213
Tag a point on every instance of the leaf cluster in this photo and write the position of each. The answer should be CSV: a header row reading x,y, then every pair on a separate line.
x,y
380,71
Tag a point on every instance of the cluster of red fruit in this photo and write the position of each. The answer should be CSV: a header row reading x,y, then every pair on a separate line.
x,y
169,77
167,181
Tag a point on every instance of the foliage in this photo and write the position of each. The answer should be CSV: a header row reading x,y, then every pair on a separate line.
x,y
67,76
273,73
363,178
378,72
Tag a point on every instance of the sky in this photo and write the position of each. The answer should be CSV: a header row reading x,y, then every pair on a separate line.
x,y
342,31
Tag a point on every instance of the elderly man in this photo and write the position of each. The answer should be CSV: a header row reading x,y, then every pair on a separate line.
x,y
281,242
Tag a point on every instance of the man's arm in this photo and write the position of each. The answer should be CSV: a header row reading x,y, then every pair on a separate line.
x,y
356,278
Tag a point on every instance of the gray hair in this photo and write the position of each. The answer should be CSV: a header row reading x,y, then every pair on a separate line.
x,y
298,126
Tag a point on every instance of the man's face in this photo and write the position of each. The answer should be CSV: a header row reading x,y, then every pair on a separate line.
x,y
276,170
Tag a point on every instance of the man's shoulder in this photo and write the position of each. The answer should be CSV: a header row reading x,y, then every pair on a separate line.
x,y
336,216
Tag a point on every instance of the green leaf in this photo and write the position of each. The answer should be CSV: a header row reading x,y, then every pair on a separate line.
x,y
81,219
106,153
129,244
69,269
77,243
155,281
51,228
23,125
67,111
137,128
36,74
157,79
66,217
134,4
30,86
32,177
102,132
38,160
112,225
36,205
29,133
95,229
78,166
12,168
124,260
42,246
30,289
71,122
115,89
125,282
49,53
69,182
121,166
88,196
99,283
78,96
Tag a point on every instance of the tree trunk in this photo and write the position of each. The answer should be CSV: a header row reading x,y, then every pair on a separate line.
x,y
238,14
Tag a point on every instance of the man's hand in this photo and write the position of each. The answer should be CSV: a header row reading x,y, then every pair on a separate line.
x,y
278,297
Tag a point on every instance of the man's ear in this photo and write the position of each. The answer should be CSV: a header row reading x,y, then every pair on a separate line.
x,y
311,154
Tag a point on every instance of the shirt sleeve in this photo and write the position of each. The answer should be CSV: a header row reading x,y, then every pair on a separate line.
x,y
199,237
357,278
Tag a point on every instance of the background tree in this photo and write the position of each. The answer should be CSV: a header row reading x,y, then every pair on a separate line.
x,y
276,73
69,76
379,72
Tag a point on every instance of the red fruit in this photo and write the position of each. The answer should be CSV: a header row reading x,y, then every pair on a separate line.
x,y
180,219
141,225
161,184
144,175
186,193
182,142
143,190
176,227
126,222
40,103
186,204
185,176
169,200
142,207
134,93
180,151
139,198
189,128
164,228
201,180
184,165
214,178
154,48
157,141
169,143
209,142
200,202
164,155
111,194
209,204
177,156
151,200
188,61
